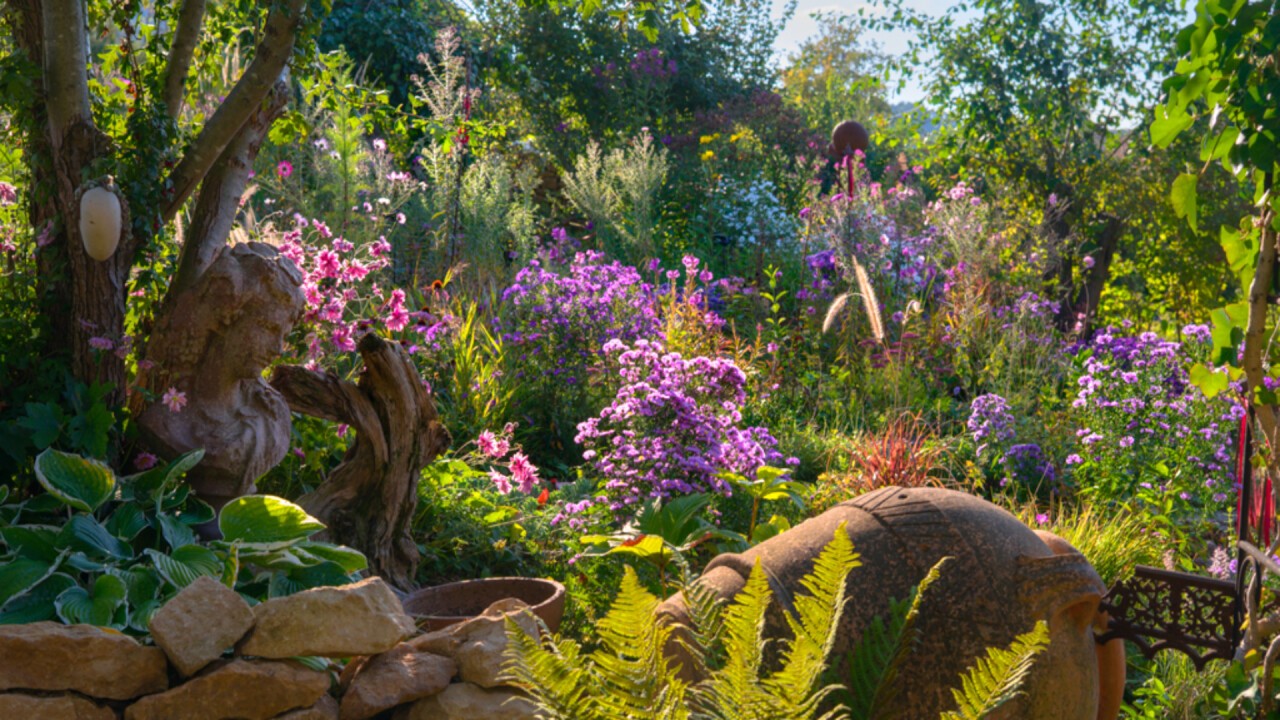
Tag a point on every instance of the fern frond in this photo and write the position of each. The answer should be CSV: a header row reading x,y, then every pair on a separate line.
x,y
636,675
883,650
813,628
997,678
706,615
555,675
734,691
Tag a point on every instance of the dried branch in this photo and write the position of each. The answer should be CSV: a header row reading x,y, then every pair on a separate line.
x,y
220,193
190,21
244,99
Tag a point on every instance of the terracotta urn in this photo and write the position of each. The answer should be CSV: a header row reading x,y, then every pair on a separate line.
x,y
846,138
1001,580
436,608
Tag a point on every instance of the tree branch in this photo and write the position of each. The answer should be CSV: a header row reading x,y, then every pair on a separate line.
x,y
65,80
221,191
190,21
245,98
1254,335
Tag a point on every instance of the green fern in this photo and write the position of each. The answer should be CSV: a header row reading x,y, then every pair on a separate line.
x,y
554,674
638,681
880,655
997,678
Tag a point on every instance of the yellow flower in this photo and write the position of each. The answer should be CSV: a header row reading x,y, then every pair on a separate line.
x,y
707,155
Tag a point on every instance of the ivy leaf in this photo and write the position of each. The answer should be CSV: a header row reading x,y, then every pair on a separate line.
x,y
1183,197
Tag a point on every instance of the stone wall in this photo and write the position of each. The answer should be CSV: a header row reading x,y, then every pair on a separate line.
x,y
216,658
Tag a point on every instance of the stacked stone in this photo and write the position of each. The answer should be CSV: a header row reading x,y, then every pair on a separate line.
x,y
50,671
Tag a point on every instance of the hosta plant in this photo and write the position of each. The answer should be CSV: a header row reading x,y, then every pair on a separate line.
x,y
109,551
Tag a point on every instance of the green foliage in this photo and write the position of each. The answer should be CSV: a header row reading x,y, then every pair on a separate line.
x,y
109,551
1113,541
832,75
885,646
997,678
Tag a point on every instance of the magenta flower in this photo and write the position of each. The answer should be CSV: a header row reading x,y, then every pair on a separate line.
x,y
492,445
397,317
523,472
1042,519
8,194
284,169
174,399
501,482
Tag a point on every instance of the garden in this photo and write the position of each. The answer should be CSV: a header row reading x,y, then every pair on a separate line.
x,y
750,389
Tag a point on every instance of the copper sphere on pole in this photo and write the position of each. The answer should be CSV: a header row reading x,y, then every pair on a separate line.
x,y
847,137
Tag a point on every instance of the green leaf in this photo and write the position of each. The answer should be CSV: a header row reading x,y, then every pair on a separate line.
x,y
1183,197
176,532
44,421
92,429
1168,124
152,484
140,618
19,576
185,564
326,574
76,605
1210,382
87,535
127,521
34,542
1241,249
83,483
36,604
349,559
265,521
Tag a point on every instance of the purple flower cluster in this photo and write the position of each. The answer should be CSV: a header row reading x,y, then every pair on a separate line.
x,y
1028,465
990,421
650,63
673,425
557,319
1138,410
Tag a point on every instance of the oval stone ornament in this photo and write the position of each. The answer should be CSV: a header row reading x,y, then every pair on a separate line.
x,y
265,521
83,483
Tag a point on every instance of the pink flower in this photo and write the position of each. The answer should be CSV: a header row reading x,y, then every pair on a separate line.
x,y
284,169
328,264
492,445
1042,518
145,461
1088,262
379,144
101,343
523,472
397,317
500,482
45,238
380,247
174,399
400,218
8,194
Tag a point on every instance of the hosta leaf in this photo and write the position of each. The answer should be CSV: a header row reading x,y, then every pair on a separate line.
x,y
318,664
142,583
87,535
140,618
83,483
185,564
324,574
19,576
83,563
282,559
4,493
127,521
265,521
196,512
151,484
34,542
350,559
76,605
36,604
176,532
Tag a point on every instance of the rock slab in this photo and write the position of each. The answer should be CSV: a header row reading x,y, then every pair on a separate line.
x,y
59,707
83,658
199,623
242,689
464,701
363,618
393,678
326,708
482,641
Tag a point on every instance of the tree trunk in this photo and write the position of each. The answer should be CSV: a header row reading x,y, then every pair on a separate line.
x,y
369,500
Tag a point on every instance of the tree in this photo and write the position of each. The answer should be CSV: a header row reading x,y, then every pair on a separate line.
x,y
831,78
117,115
1043,101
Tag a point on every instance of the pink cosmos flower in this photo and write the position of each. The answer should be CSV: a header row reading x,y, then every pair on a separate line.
x,y
174,399
523,472
328,263
492,445
284,169
145,461
397,317
8,194
500,482
380,247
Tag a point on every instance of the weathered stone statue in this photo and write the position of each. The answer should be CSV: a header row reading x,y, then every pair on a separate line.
x,y
1002,580
212,344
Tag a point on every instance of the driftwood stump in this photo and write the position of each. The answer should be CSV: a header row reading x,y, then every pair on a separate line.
x,y
369,500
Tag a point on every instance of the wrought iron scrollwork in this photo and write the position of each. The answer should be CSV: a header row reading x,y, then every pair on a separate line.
x,y
1164,610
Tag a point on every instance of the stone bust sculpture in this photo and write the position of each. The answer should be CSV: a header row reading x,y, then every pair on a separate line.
x,y
212,344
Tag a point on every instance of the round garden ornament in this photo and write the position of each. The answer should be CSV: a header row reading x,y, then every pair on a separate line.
x,y
101,220
848,137
1000,581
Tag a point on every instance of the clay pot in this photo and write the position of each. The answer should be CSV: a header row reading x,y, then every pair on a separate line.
x,y
436,608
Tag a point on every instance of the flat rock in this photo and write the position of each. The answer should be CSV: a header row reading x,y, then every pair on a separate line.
x,y
87,659
363,618
199,623
240,689
464,701
482,641
393,678
57,707
326,708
